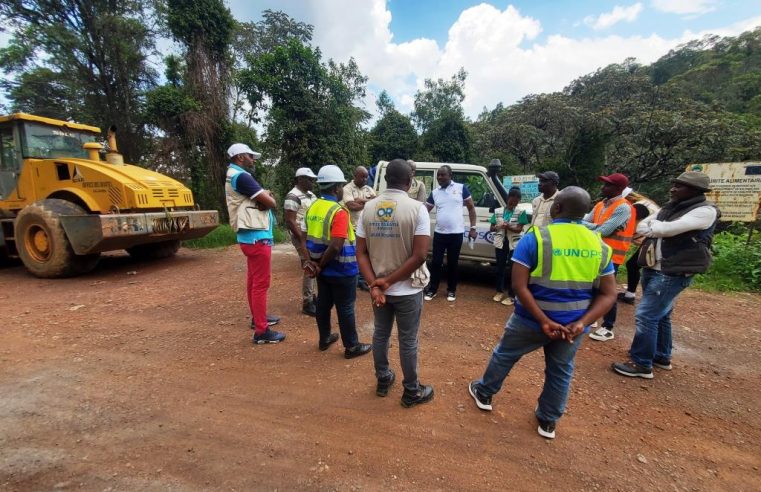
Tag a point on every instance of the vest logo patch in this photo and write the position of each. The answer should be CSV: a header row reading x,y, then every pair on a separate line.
x,y
575,252
385,210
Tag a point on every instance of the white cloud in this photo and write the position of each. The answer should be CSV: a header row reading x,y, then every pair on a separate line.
x,y
618,14
500,49
685,7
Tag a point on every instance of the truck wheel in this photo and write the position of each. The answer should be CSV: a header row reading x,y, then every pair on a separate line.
x,y
42,243
154,251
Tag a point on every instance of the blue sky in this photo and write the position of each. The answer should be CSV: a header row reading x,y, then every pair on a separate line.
x,y
510,49
432,19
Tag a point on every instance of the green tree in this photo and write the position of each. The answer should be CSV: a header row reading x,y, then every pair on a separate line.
x,y
439,98
85,60
393,136
193,107
309,109
447,139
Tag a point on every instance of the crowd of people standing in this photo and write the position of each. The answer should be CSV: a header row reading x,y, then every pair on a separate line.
x,y
557,266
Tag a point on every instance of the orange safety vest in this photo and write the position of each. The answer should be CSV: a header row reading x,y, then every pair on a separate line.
x,y
620,240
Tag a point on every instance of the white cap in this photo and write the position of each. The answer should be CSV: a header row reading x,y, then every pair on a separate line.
x,y
330,174
305,171
241,148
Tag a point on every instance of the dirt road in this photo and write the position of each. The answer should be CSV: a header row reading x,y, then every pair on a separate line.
x,y
142,376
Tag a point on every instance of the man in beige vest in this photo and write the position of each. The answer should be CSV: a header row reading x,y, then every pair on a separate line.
x,y
417,189
393,235
356,194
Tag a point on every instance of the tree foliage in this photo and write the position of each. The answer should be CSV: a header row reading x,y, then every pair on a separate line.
x,y
311,118
439,98
393,135
85,60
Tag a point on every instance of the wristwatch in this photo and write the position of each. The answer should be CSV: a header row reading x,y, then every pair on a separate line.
x,y
473,228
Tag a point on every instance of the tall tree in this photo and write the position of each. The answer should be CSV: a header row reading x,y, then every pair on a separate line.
x,y
309,108
438,98
393,136
204,28
85,60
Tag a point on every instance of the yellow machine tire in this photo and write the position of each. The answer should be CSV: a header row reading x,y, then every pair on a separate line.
x,y
155,251
42,243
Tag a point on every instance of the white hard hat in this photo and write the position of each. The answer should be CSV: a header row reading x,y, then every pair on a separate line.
x,y
305,171
330,174
241,148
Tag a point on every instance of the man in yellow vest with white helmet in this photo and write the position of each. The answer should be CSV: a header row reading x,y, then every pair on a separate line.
x,y
331,244
563,278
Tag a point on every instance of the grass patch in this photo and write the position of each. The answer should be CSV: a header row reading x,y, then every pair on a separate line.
x,y
224,236
736,265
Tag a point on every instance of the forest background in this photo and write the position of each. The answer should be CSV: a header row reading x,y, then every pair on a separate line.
x,y
90,61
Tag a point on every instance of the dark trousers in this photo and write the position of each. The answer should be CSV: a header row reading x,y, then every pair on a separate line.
x,y
609,320
451,245
632,272
504,268
340,292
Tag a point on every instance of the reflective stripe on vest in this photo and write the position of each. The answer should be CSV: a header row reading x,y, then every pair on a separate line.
x,y
319,217
620,240
569,257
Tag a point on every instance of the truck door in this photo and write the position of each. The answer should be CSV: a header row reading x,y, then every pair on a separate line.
x,y
9,164
484,197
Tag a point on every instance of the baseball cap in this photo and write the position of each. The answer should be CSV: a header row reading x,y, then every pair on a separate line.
x,y
549,176
241,148
694,179
617,179
305,171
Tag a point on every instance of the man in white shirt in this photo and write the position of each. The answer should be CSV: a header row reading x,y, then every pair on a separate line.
x,y
393,235
448,199
541,205
297,201
677,247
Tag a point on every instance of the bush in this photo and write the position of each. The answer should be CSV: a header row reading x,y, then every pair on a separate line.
x,y
224,236
736,265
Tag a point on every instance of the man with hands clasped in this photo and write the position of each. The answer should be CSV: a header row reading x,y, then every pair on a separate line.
x,y
563,278
393,235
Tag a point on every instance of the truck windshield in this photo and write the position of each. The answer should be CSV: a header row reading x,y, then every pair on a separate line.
x,y
45,141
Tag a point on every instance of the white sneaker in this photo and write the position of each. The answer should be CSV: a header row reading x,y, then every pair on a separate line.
x,y
508,301
593,325
602,335
498,297
429,295
451,297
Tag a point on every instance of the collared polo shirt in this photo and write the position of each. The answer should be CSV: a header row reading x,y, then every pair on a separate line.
x,y
244,183
351,193
449,202
298,201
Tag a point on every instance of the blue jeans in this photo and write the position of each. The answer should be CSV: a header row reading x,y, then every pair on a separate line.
x,y
520,339
652,338
341,292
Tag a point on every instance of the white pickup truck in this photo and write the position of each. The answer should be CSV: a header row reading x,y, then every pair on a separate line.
x,y
487,193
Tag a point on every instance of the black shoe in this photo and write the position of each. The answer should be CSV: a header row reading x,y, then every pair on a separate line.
x,y
424,394
324,344
357,350
662,364
309,309
272,320
269,336
633,370
546,428
385,384
362,285
482,401
623,298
